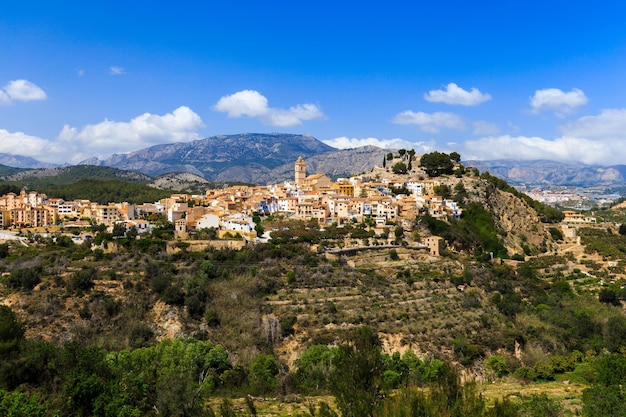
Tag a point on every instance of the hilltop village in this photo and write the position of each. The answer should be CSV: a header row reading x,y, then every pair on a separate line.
x,y
391,194
386,195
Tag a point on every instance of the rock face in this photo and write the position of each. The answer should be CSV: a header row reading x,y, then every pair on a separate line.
x,y
519,222
181,182
343,163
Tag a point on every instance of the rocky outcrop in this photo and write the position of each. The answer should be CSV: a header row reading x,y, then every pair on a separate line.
x,y
519,223
181,182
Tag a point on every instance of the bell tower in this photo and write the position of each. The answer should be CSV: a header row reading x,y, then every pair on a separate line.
x,y
300,171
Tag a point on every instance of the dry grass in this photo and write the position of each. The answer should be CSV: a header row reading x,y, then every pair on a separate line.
x,y
290,405
569,395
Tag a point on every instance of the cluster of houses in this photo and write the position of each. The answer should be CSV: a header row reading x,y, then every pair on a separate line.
x,y
35,210
366,197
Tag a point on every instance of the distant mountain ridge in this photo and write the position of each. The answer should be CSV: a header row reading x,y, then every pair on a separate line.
x,y
243,157
547,173
20,161
264,158
250,157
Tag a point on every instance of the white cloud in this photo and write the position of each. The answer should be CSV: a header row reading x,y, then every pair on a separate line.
x,y
344,142
293,116
21,90
610,124
527,148
251,103
482,127
115,70
430,122
557,101
243,103
453,94
590,139
19,143
145,130
73,145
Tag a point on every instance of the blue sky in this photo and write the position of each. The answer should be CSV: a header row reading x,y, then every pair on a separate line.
x,y
521,80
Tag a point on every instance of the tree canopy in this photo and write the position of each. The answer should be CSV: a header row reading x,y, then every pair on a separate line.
x,y
438,163
399,168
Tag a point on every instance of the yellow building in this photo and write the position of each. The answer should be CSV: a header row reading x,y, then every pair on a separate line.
x,y
107,214
435,244
32,216
4,218
345,188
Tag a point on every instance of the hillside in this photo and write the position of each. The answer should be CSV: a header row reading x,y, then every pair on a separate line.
x,y
182,182
497,222
8,170
101,184
412,277
44,177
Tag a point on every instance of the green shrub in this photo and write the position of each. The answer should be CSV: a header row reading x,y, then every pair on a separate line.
x,y
315,367
81,281
286,325
24,278
263,374
11,331
16,404
212,318
555,233
498,365
539,405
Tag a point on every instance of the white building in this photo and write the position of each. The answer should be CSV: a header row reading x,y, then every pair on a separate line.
x,y
207,221
416,188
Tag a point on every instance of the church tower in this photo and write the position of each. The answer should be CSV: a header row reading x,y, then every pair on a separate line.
x,y
300,173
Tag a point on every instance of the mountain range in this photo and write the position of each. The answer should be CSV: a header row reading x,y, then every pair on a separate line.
x,y
264,158
248,157
551,173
